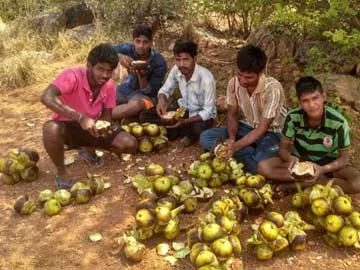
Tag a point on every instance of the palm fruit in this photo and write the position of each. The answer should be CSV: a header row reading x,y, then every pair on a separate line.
x,y
222,248
144,218
348,236
334,223
263,252
134,250
297,239
255,181
145,145
320,207
52,207
269,230
95,183
342,205
276,218
211,232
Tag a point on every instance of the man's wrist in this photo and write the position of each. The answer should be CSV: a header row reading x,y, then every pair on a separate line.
x,y
81,115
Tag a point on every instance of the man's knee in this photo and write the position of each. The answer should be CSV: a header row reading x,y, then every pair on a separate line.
x,y
263,168
125,142
139,104
52,129
355,184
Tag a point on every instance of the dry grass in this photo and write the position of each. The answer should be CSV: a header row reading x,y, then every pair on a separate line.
x,y
29,57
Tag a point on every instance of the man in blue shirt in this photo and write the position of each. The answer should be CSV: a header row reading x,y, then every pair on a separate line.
x,y
139,90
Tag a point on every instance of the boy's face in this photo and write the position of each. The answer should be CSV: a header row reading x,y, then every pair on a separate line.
x,y
248,80
313,104
142,45
186,63
100,73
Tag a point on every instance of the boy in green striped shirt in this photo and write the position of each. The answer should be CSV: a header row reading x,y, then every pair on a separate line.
x,y
317,133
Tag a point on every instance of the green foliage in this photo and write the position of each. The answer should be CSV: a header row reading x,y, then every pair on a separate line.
x,y
240,15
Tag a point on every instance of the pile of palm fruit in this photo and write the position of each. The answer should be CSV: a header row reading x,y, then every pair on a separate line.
x,y
331,211
19,164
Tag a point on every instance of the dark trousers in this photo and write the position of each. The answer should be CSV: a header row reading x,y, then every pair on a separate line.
x,y
192,130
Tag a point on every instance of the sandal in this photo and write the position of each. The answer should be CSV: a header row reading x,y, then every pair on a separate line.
x,y
93,160
63,184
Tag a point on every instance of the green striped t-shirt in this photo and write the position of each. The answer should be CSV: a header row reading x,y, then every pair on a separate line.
x,y
320,144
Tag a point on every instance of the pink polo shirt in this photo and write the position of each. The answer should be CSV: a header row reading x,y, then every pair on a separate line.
x,y
75,93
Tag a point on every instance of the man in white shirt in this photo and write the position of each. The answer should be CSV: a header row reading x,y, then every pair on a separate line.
x,y
198,95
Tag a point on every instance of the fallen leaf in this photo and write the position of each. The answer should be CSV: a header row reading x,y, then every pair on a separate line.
x,y
127,181
182,253
95,236
107,185
162,249
178,245
126,157
171,260
69,160
99,153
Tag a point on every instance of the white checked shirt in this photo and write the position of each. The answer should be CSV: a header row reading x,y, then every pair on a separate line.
x,y
198,95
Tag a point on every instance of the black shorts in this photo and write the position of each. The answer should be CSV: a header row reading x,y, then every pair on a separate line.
x,y
75,136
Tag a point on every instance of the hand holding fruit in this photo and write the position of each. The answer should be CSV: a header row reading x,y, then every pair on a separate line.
x,y
88,124
180,123
125,61
230,143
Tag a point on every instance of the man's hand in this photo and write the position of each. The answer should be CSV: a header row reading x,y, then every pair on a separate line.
x,y
125,61
319,171
180,123
293,160
230,143
161,107
141,73
88,124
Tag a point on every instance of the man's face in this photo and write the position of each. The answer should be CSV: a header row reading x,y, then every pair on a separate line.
x,y
100,73
185,63
248,80
142,45
313,104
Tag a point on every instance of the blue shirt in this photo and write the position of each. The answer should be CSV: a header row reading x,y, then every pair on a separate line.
x,y
155,74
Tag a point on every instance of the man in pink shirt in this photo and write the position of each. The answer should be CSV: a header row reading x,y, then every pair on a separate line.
x,y
79,97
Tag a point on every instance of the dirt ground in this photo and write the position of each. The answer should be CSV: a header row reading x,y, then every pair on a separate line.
x,y
60,242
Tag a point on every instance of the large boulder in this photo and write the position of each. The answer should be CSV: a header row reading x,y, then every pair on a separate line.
x,y
346,87
49,21
81,33
77,15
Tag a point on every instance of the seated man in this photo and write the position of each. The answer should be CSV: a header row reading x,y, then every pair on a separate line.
x,y
257,100
317,133
139,90
79,97
198,93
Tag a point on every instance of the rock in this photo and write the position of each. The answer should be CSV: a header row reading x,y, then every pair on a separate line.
x,y
81,33
78,15
49,21
346,87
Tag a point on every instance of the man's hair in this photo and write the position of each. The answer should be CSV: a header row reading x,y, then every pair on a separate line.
x,y
251,58
103,53
308,84
184,45
142,30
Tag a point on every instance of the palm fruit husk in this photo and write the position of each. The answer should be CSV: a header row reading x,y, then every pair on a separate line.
x,y
134,250
24,206
45,195
303,170
95,183
30,174
9,179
